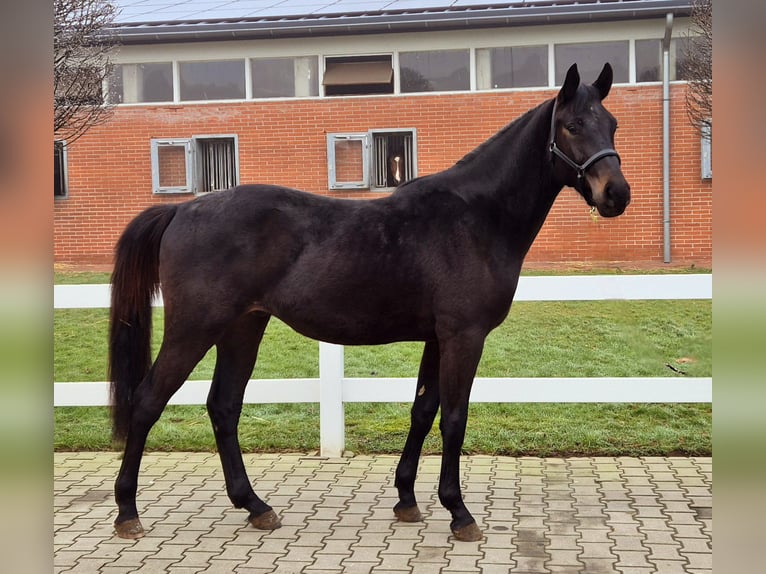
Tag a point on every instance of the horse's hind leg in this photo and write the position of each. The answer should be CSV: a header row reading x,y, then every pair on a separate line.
x,y
237,352
175,361
422,416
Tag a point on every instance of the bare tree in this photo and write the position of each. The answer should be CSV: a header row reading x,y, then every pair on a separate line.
x,y
81,63
698,68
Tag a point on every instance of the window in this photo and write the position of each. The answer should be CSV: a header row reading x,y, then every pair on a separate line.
x,y
131,83
60,187
358,75
649,60
517,67
434,71
678,63
707,154
394,160
218,80
590,58
199,164
284,77
376,160
348,161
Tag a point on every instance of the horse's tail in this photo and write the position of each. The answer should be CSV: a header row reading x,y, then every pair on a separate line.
x,y
135,281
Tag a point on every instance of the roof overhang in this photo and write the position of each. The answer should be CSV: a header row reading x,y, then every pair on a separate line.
x,y
417,20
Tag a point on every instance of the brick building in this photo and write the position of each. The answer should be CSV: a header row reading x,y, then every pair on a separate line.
x,y
321,95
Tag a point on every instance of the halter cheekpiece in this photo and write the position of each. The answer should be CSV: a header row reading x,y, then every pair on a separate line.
x,y
580,168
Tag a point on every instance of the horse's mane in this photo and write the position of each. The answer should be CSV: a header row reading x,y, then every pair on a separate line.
x,y
517,124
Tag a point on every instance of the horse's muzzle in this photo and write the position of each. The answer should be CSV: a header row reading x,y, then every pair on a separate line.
x,y
613,198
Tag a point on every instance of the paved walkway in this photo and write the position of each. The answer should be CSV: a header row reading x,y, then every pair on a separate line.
x,y
553,515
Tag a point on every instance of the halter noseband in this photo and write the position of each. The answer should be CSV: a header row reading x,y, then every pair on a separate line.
x,y
580,168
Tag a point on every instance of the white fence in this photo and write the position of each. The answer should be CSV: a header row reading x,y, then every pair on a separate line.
x,y
333,389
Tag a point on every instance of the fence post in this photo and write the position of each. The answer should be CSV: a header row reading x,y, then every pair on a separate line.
x,y
332,423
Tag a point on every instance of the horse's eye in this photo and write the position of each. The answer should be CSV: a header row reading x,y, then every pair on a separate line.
x,y
571,128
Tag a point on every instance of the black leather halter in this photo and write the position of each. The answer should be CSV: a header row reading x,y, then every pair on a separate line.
x,y
580,168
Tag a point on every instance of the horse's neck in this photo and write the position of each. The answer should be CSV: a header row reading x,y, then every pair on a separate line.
x,y
513,171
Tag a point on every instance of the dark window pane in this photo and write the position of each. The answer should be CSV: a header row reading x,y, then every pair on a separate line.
x,y
648,60
284,77
519,67
590,59
59,170
679,65
434,71
358,75
131,83
221,80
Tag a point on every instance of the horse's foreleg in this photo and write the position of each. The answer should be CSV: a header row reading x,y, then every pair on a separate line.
x,y
460,356
236,354
422,416
174,363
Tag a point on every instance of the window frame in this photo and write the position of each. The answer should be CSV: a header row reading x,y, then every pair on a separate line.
x,y
706,154
192,163
332,177
63,170
368,151
413,158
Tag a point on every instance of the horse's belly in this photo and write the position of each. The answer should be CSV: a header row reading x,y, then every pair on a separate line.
x,y
357,328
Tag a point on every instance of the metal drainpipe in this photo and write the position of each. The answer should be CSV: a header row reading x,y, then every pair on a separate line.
x,y
666,136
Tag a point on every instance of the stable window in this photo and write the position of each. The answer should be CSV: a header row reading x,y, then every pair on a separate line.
x,y
60,187
133,83
590,58
200,164
516,67
434,71
284,77
358,75
377,160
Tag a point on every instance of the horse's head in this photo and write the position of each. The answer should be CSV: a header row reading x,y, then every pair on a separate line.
x,y
582,143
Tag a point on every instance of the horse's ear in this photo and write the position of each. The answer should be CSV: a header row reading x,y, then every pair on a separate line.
x,y
571,83
604,81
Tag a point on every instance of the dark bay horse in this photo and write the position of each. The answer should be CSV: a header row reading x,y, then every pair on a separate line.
x,y
436,261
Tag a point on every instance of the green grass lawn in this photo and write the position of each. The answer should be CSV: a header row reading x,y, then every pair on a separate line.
x,y
546,339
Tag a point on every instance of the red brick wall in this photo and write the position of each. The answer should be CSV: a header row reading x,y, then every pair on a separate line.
x,y
284,142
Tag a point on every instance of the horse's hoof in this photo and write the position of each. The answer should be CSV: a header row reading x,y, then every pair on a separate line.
x,y
468,533
266,521
130,529
409,514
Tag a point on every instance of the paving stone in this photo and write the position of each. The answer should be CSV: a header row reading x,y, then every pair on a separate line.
x,y
669,567
600,515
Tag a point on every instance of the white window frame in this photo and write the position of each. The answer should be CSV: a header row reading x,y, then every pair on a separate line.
x,y
156,145
367,139
332,178
192,163
706,153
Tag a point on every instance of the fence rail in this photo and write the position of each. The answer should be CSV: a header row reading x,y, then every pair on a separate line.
x,y
332,389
